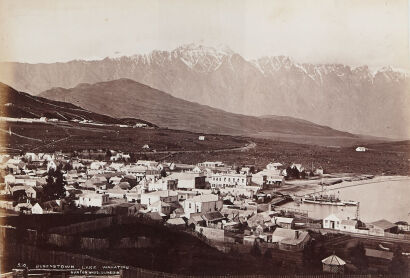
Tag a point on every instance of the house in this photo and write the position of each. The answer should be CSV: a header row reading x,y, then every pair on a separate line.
x,y
123,185
274,166
163,184
332,222
268,179
93,200
97,165
379,228
333,264
53,206
176,222
163,208
229,180
145,147
290,240
115,180
37,209
188,180
403,226
211,164
213,219
33,192
284,222
297,166
259,219
319,171
167,196
201,204
361,149
201,138
349,225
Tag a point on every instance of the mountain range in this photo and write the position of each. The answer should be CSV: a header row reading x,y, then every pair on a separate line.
x,y
353,99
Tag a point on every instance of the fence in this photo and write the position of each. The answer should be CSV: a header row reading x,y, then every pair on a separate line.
x,y
83,227
94,243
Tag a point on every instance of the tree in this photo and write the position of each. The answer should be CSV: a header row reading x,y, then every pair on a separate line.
x,y
303,174
54,189
67,167
358,256
398,264
255,251
252,169
238,170
163,173
268,254
108,154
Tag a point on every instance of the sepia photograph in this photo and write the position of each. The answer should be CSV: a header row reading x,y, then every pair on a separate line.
x,y
204,138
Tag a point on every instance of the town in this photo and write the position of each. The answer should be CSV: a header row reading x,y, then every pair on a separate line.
x,y
233,208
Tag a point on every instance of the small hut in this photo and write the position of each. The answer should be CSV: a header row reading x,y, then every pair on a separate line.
x,y
333,264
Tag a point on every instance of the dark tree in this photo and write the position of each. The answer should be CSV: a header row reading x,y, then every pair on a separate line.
x,y
358,257
268,254
163,173
108,154
67,167
238,170
252,169
398,265
255,251
302,174
54,189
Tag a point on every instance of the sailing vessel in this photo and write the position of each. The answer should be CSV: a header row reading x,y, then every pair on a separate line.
x,y
327,199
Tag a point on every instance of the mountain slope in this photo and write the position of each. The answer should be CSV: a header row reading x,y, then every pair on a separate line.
x,y
15,104
127,98
357,99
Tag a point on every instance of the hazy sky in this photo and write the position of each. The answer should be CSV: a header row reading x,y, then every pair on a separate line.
x,y
355,32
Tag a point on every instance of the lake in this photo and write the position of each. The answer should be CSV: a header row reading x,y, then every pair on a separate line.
x,y
388,200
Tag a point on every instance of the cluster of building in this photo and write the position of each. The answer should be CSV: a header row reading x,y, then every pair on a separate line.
x,y
211,197
225,204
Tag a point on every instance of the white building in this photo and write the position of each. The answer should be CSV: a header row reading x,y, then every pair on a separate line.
x,y
268,177
211,164
37,209
332,222
274,166
93,200
168,196
201,138
229,180
188,180
163,184
361,149
201,204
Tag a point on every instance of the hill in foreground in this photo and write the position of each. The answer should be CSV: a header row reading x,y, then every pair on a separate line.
x,y
127,98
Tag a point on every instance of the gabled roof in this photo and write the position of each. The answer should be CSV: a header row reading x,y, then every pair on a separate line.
x,y
384,224
378,254
332,217
213,216
176,221
288,236
333,260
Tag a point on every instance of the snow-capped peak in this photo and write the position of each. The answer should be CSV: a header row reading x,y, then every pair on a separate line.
x,y
202,58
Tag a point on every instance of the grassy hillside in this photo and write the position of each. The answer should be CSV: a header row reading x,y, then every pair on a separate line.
x,y
16,104
127,98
